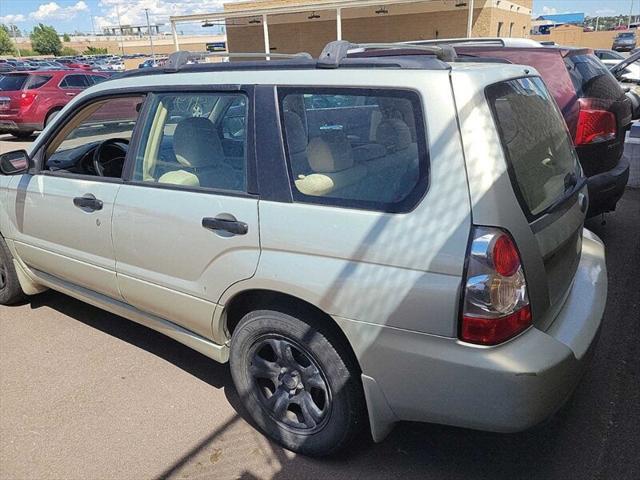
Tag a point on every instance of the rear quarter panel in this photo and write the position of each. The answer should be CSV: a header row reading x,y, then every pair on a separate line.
x,y
399,270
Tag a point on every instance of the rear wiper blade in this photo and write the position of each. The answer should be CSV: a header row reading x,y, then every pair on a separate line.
x,y
570,188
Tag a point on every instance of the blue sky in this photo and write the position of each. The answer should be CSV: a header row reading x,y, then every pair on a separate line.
x,y
71,15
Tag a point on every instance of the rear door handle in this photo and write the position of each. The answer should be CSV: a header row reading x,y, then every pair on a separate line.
x,y
222,224
88,203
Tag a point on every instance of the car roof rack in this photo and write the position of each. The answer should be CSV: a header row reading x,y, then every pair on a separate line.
x,y
475,41
177,60
334,53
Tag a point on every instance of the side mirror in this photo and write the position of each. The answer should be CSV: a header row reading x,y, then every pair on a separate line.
x,y
14,163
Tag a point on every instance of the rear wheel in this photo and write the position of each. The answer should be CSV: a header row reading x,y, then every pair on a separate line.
x,y
10,290
297,381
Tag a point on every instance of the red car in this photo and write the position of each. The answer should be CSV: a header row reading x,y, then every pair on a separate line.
x,y
30,100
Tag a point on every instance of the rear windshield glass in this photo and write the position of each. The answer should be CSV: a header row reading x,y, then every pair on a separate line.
x,y
13,82
543,162
590,77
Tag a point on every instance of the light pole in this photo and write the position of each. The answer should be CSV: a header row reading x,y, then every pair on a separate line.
x,y
630,13
120,28
153,55
14,29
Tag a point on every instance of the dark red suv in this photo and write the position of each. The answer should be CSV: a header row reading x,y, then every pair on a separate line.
x,y
594,106
29,100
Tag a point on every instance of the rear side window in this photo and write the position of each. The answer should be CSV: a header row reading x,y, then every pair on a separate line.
x,y
543,163
358,148
591,77
74,81
38,81
13,82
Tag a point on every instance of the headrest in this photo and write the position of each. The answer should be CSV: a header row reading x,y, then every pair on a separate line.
x,y
296,134
389,107
330,153
394,134
196,142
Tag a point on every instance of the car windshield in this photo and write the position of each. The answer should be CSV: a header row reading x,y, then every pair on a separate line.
x,y
13,82
626,35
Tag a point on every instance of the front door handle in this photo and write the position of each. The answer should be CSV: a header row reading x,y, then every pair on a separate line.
x,y
88,203
69,94
224,224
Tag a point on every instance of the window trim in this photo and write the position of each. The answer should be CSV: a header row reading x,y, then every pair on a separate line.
x,y
419,191
251,190
561,202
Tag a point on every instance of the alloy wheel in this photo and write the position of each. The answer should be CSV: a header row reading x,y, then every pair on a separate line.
x,y
289,384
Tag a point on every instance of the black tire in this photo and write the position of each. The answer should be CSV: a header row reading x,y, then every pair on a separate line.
x,y
22,134
317,420
10,290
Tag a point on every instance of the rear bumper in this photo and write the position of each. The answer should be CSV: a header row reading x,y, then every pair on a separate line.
x,y
15,123
507,388
605,189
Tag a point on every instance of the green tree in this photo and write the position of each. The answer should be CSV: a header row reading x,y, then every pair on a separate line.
x,y
68,52
45,40
6,45
66,38
95,51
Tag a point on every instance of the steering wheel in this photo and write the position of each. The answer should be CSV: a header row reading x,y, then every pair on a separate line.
x,y
100,165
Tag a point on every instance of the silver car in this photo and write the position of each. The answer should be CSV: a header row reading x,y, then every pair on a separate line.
x,y
365,240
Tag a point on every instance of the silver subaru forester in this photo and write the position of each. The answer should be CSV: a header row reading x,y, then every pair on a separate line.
x,y
365,240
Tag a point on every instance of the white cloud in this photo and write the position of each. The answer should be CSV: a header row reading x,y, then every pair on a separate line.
x,y
549,10
12,18
132,13
53,11
605,12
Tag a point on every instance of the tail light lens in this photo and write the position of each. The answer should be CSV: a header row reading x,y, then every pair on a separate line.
x,y
27,99
595,122
495,306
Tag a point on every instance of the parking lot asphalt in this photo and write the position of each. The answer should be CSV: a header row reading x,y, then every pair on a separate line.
x,y
88,395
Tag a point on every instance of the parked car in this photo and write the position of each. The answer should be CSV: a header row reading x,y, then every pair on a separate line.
x,y
624,41
613,60
30,100
151,63
411,247
595,107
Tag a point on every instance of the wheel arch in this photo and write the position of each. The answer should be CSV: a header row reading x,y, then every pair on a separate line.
x,y
249,300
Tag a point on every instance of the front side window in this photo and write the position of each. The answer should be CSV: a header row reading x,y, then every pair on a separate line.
x,y
96,140
536,142
359,148
194,140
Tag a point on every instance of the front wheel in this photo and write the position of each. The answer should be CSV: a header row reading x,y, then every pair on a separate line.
x,y
22,134
10,290
297,381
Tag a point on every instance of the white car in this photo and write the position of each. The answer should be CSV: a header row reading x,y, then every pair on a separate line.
x,y
612,58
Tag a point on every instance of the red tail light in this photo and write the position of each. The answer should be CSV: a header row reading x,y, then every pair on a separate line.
x,y
496,302
27,99
595,123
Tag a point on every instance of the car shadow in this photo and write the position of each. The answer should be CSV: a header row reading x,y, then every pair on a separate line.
x,y
412,450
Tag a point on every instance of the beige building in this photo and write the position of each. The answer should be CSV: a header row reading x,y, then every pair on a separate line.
x,y
295,25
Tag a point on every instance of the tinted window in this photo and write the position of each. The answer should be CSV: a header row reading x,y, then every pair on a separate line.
x,y
96,79
38,81
74,81
185,142
591,77
361,148
535,141
13,82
